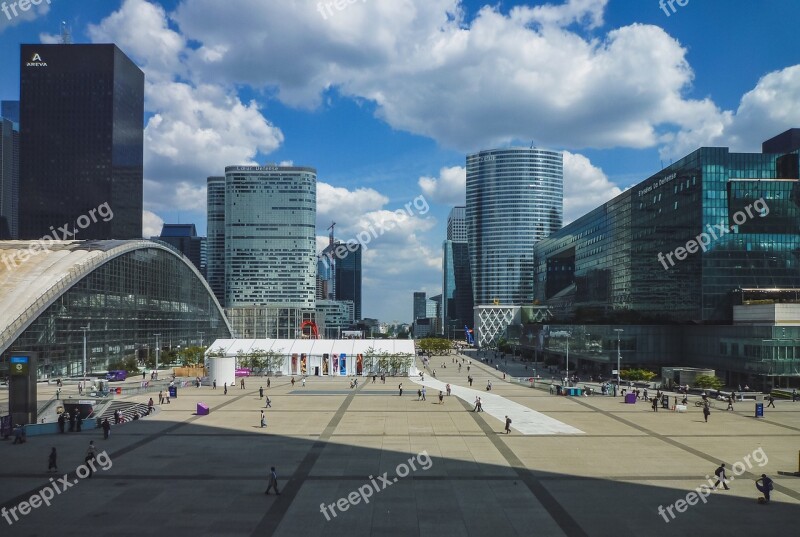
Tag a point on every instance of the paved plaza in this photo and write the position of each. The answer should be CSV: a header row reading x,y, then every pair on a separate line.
x,y
381,464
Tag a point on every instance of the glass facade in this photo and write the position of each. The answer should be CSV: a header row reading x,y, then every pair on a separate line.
x,y
145,290
456,289
9,178
215,229
457,225
677,246
347,273
82,124
514,199
270,236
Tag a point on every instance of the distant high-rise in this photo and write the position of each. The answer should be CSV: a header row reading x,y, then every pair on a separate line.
x,y
9,177
457,225
420,305
81,144
10,110
215,229
348,278
514,199
270,239
183,237
456,308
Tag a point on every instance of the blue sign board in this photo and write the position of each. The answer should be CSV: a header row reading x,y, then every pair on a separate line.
x,y
759,410
19,365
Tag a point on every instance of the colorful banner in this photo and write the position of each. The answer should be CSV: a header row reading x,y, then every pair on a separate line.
x,y
343,365
294,364
325,359
303,368
359,364
335,365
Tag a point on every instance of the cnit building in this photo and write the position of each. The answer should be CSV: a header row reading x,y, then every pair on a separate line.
x,y
696,266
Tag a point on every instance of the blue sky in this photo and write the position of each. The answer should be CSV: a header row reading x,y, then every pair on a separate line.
x,y
385,98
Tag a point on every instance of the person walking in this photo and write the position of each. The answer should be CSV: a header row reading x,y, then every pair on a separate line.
x,y
161,397
448,390
480,405
423,393
400,387
225,387
721,477
469,379
150,406
303,381
261,392
263,420
58,394
477,404
508,425
242,384
771,400
106,429
268,403
91,453
706,412
765,486
419,394
166,397
214,385
268,383
52,461
654,401
794,395
293,382
730,402
441,397
273,482
61,422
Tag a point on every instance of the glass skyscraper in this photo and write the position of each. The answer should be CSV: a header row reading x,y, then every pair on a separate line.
x,y
456,280
514,199
270,238
215,229
81,143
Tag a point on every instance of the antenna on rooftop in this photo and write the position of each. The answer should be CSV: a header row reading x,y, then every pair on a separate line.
x,y
66,34
333,225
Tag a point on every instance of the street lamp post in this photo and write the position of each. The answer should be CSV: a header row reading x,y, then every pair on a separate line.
x,y
568,383
201,338
158,350
84,328
618,331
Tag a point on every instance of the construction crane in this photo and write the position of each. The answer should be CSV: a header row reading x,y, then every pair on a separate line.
x,y
333,225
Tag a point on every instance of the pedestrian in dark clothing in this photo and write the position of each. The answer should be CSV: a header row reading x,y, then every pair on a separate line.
x,y
771,401
655,404
52,461
263,420
268,383
730,402
242,384
706,412
400,387
214,385
441,397
508,425
261,392
226,388
273,482
106,429
61,423
161,397
72,422
765,487
78,421
469,379
794,395
721,477
269,403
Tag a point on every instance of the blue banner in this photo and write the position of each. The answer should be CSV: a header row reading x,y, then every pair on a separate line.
x,y
343,364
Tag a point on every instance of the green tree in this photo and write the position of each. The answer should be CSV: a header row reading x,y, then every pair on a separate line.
x,y
129,364
637,374
708,382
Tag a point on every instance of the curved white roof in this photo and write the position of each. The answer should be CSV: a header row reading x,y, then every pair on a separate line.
x,y
33,274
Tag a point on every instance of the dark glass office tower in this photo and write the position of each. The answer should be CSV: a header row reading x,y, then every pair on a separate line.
x,y
348,279
81,146
9,176
183,237
215,269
